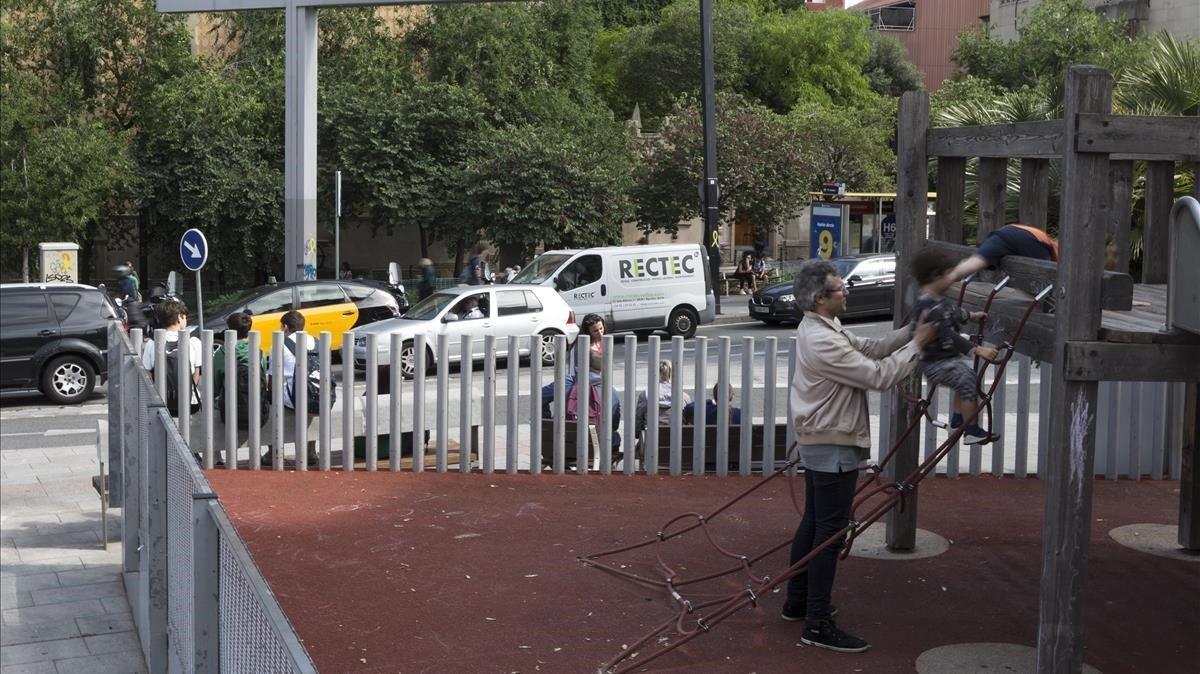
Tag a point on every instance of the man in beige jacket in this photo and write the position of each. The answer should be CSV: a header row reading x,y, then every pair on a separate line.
x,y
834,370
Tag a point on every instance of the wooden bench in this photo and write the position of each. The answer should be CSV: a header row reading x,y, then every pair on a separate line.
x,y
687,446
570,444
384,448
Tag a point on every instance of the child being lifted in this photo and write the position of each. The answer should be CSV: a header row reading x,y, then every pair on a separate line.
x,y
944,360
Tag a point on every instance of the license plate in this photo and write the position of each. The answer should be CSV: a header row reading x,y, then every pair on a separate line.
x,y
761,310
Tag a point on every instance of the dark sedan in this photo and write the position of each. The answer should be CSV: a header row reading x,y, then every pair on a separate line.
x,y
870,278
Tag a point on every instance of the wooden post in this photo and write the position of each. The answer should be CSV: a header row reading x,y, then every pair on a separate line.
x,y
993,182
951,196
1120,178
1189,480
1071,451
1160,193
1035,193
912,186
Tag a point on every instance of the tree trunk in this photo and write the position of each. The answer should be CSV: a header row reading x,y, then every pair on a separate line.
x,y
424,240
459,247
25,264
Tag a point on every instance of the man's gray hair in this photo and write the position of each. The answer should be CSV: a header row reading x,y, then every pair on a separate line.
x,y
810,282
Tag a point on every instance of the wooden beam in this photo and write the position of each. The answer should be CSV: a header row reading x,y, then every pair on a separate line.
x,y
1071,455
1160,195
1146,136
993,182
1037,337
1189,480
1120,178
1110,361
912,184
1032,275
951,197
1021,139
1035,192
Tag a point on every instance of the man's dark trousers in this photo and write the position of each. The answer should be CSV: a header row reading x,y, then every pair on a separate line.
x,y
827,501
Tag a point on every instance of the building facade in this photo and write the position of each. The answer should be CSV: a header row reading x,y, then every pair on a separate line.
x,y
928,29
1180,18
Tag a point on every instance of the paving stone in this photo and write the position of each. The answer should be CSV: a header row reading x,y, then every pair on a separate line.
x,y
56,612
43,631
30,582
95,554
99,574
52,528
79,593
43,650
8,477
116,604
43,566
119,642
15,599
65,539
105,624
23,491
44,667
112,663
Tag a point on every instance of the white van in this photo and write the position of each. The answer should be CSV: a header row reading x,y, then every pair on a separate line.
x,y
632,287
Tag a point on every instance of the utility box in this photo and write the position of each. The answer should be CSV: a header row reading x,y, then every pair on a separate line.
x,y
59,262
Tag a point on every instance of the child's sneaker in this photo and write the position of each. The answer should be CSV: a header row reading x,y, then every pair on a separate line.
x,y
825,634
975,435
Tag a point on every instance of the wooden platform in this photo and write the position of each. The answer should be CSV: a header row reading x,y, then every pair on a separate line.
x,y
1161,354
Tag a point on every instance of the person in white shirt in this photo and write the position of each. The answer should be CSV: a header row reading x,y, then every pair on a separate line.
x,y
172,316
292,323
471,309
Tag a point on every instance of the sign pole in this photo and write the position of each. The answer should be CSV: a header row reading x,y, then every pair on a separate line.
x,y
709,190
199,299
337,225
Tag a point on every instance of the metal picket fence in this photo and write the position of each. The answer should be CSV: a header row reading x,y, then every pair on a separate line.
x,y
199,602
487,418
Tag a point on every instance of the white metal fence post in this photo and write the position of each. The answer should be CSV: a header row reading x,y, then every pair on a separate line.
x,y
583,390
700,406
371,404
207,396
253,397
348,398
395,409
206,583
418,410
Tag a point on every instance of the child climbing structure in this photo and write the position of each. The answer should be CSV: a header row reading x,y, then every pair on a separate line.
x,y
1094,332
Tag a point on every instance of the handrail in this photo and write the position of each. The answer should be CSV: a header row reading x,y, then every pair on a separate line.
x,y
1180,293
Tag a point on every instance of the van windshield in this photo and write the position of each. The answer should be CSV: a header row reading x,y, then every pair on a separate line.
x,y
541,268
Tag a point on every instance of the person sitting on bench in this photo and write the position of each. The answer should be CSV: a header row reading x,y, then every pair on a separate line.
x,y
665,399
710,409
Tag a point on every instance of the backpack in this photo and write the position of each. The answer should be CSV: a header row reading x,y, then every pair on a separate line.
x,y
242,377
172,364
593,404
314,381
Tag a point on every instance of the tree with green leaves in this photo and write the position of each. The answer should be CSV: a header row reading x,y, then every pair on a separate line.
x,y
888,70
764,173
849,145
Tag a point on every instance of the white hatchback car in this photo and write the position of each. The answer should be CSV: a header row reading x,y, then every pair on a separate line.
x,y
501,311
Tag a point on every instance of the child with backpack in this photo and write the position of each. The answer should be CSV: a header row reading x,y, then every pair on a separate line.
x,y
241,324
293,323
172,318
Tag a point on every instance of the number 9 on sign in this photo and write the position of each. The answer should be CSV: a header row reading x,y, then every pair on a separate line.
x,y
825,249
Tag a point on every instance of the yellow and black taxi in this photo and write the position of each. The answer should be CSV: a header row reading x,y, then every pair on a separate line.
x,y
328,306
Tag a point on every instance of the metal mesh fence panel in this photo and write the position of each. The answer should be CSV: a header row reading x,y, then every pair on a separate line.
x,y
248,642
180,561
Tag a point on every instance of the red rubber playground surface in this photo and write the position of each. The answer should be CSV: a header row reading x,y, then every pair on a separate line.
x,y
404,572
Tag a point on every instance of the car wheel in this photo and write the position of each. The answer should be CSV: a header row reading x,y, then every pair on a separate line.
x,y
68,380
408,360
683,323
547,347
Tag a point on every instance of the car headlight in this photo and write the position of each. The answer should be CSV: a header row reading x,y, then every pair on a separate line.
x,y
787,298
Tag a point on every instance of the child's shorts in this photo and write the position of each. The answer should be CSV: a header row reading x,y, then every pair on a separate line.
x,y
954,373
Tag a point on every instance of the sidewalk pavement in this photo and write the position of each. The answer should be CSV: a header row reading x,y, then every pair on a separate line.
x,y
62,599
734,309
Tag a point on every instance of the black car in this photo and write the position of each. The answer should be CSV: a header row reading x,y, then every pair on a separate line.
x,y
54,339
870,278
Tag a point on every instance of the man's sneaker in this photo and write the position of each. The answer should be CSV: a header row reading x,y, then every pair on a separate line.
x,y
975,435
793,611
825,634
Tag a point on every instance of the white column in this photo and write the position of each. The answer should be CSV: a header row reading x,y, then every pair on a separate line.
x,y
300,143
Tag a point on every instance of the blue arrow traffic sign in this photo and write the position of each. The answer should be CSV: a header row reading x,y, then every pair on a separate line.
x,y
193,249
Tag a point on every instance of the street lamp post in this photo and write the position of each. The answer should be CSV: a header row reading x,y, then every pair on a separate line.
x,y
709,189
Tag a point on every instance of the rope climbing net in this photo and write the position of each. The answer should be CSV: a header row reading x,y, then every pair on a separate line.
x,y
874,497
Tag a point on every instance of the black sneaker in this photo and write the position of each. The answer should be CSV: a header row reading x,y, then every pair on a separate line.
x,y
793,611
975,435
825,634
